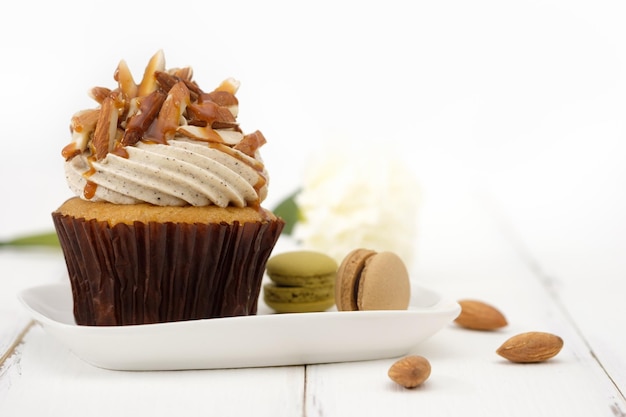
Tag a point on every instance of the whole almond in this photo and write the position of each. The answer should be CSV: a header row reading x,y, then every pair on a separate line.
x,y
478,315
410,371
531,347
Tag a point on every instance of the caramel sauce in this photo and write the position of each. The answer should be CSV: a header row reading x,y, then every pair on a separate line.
x,y
250,143
149,107
70,151
166,129
90,187
154,135
260,182
169,114
90,190
210,112
120,151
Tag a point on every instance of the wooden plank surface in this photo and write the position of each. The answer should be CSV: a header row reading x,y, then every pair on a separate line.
x,y
20,269
49,380
462,253
572,233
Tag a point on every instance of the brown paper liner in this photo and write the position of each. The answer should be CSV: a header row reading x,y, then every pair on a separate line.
x,y
160,272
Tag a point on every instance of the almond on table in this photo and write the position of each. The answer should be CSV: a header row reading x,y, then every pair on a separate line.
x,y
531,347
410,371
478,315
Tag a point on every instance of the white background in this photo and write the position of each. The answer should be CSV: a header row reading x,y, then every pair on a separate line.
x,y
522,100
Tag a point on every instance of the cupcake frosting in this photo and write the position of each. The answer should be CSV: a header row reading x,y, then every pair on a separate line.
x,y
166,142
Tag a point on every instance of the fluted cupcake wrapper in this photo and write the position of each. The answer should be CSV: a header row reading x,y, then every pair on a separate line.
x,y
159,272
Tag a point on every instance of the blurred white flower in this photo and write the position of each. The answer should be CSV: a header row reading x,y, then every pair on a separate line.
x,y
358,196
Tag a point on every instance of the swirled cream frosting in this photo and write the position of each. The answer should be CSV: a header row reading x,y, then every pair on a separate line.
x,y
166,142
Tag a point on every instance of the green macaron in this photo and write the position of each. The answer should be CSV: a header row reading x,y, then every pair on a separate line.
x,y
302,281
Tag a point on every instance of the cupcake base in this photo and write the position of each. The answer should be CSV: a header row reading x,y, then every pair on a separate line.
x,y
154,272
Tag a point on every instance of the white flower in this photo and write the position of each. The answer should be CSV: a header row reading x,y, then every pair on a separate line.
x,y
358,196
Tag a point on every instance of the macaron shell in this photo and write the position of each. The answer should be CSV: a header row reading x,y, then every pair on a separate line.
x,y
348,277
304,281
301,268
298,299
311,307
384,283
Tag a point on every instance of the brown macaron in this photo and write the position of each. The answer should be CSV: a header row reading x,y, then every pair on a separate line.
x,y
370,280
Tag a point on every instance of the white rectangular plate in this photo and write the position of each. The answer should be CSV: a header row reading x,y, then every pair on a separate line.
x,y
265,339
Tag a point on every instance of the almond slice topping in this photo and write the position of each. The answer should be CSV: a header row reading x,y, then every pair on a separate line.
x,y
138,123
167,81
99,94
185,73
211,113
83,123
149,83
250,143
169,117
204,133
230,85
125,80
106,129
165,103
223,99
230,136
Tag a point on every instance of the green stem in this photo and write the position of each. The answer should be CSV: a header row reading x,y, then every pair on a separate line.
x,y
48,239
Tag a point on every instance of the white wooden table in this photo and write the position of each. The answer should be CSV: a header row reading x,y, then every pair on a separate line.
x,y
467,248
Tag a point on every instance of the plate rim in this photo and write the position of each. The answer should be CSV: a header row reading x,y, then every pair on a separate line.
x,y
74,336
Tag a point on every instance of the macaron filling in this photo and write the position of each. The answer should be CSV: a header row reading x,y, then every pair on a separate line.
x,y
359,275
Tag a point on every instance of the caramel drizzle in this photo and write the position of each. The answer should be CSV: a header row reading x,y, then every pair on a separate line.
x,y
157,118
139,123
69,151
89,191
172,109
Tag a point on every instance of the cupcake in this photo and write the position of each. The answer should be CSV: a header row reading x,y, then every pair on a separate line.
x,y
167,222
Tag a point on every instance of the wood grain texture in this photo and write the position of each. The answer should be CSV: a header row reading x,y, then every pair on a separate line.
x,y
464,251
465,254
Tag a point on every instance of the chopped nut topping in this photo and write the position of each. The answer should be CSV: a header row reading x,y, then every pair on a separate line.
x,y
185,73
229,85
173,107
149,82
99,94
221,98
250,143
203,133
211,113
82,125
125,80
166,103
167,81
148,109
224,99
106,129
